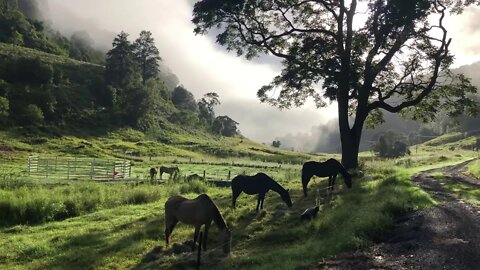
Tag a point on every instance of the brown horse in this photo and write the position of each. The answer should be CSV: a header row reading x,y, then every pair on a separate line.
x,y
172,171
153,173
197,212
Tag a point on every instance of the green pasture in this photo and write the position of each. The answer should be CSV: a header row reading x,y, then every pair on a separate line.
x,y
55,223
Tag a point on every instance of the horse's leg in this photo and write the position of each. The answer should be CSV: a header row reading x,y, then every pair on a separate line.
x,y
333,181
195,237
205,235
258,201
262,198
235,195
305,179
170,223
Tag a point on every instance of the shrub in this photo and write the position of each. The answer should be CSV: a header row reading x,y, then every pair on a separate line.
x,y
391,145
195,186
33,114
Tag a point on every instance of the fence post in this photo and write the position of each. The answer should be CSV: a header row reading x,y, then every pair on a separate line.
x,y
114,170
92,168
75,165
199,250
129,169
229,174
204,179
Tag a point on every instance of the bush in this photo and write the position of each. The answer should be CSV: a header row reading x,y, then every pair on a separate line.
x,y
391,145
195,186
38,204
33,115
4,107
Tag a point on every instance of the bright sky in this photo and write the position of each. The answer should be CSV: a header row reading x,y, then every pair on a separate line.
x,y
202,66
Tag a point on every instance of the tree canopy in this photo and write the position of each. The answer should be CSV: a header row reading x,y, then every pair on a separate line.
x,y
397,61
147,55
206,106
184,99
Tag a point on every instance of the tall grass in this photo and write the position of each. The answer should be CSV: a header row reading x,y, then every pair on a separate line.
x,y
39,204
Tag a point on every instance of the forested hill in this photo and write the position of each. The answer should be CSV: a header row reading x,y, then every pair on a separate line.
x,y
63,83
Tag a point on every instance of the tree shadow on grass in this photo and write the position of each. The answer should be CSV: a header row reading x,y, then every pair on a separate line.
x,y
91,249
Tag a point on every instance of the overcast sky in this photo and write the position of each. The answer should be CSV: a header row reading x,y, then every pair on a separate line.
x,y
202,66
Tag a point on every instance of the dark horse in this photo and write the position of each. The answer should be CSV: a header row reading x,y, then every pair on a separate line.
x,y
328,168
172,171
258,184
197,212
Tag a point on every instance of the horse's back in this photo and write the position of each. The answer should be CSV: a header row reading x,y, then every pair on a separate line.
x,y
325,168
174,200
191,211
252,184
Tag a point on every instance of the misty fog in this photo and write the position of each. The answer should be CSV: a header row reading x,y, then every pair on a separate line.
x,y
203,66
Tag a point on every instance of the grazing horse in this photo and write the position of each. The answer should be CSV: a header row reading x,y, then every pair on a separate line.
x,y
172,171
328,168
194,176
197,212
258,184
153,173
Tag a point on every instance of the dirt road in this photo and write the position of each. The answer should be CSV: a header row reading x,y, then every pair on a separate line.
x,y
446,236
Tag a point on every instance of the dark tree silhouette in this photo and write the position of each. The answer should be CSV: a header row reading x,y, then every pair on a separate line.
x,y
225,126
397,61
184,99
206,106
120,62
147,55
276,143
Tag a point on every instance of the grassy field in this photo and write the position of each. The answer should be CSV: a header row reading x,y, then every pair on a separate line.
x,y
60,224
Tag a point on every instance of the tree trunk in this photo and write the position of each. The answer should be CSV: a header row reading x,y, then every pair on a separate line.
x,y
350,137
350,149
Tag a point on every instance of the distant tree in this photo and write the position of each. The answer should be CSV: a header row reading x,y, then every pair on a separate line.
x,y
393,62
206,106
168,77
16,39
8,5
32,115
391,145
276,143
4,107
184,99
120,62
147,55
225,126
81,46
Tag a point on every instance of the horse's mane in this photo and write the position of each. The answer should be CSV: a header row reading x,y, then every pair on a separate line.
x,y
217,216
276,186
343,171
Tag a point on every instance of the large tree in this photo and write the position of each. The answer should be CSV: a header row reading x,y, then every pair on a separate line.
x,y
395,57
147,55
184,99
206,106
120,62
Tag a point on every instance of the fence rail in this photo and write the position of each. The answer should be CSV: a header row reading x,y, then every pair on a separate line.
x,y
75,168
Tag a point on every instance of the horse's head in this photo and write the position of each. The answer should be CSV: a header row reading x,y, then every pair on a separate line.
x,y
348,179
226,236
286,198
